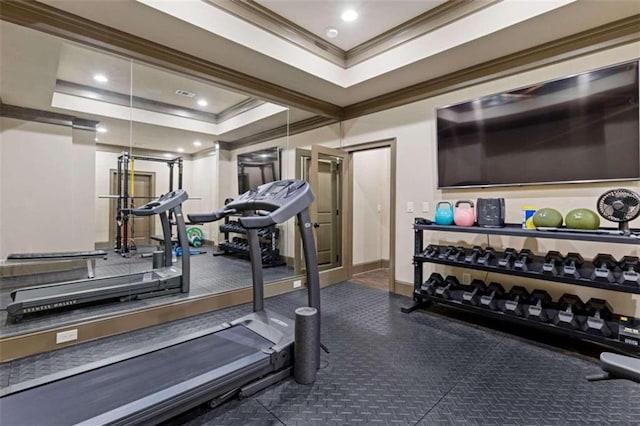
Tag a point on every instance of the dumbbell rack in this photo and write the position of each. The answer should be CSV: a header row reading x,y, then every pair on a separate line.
x,y
270,253
422,300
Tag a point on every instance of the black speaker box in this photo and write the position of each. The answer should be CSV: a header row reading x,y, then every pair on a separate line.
x,y
490,212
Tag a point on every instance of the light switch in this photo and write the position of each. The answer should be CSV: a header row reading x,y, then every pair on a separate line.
x,y
425,206
409,206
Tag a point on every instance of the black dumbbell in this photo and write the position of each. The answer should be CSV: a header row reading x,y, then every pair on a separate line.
x,y
429,286
484,259
538,304
458,254
509,256
604,266
490,299
444,290
445,254
570,306
552,262
472,257
524,257
516,301
572,264
432,250
630,270
472,297
598,313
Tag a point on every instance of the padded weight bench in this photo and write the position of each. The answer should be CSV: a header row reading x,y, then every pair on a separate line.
x,y
89,256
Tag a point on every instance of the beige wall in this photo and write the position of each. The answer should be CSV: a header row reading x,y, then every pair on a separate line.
x,y
202,181
370,205
414,127
47,196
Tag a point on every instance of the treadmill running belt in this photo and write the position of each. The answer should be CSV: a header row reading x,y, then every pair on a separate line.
x,y
83,396
69,287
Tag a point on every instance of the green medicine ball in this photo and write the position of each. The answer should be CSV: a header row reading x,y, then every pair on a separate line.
x,y
547,218
582,219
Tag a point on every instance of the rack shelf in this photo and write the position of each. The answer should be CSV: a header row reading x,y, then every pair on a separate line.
x,y
536,265
534,269
549,327
602,235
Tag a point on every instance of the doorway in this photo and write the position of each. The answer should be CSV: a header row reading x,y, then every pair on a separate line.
x,y
141,228
372,188
326,171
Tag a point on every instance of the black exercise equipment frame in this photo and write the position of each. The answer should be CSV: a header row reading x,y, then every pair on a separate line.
x,y
423,300
122,192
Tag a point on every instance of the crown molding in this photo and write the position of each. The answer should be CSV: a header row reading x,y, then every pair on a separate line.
x,y
425,23
264,18
281,132
41,116
239,108
72,27
604,37
41,17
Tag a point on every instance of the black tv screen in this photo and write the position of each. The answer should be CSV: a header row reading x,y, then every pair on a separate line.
x,y
257,168
581,128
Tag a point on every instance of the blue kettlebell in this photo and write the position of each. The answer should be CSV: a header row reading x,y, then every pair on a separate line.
x,y
444,213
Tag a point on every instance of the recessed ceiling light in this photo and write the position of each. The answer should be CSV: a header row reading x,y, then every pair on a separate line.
x,y
168,155
101,129
197,143
349,15
100,78
332,32
203,102
180,149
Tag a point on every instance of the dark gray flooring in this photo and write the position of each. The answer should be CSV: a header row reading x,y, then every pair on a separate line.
x,y
209,275
386,367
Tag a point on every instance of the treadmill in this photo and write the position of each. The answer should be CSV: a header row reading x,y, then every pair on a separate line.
x,y
167,279
157,383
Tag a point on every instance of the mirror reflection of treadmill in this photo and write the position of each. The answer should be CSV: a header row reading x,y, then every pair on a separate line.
x,y
162,281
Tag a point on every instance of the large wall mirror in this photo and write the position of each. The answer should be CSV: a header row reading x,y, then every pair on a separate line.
x,y
87,136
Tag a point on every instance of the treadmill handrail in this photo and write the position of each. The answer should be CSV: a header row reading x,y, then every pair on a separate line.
x,y
196,218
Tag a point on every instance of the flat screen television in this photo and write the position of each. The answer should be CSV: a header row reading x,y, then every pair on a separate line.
x,y
581,128
258,167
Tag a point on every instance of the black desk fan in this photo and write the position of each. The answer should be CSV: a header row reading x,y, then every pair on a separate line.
x,y
619,205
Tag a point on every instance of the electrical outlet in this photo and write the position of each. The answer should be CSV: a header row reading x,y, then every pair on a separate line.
x,y
67,336
466,278
409,206
425,206
297,284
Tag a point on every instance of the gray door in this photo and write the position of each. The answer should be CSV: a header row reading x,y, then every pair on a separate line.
x,y
140,227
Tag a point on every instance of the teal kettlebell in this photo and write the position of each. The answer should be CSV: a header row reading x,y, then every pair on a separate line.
x,y
444,213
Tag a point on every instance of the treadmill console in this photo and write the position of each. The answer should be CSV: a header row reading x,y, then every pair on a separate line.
x,y
283,199
165,203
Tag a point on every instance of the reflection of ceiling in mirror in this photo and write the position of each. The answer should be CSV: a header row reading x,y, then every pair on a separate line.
x,y
46,73
79,65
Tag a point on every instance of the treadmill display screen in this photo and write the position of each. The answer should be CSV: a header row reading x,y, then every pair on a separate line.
x,y
275,189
